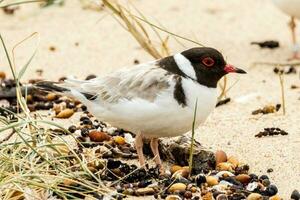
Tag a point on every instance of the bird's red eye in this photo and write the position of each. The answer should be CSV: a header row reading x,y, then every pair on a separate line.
x,y
208,61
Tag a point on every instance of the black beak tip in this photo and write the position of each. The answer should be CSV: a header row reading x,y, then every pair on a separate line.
x,y
240,71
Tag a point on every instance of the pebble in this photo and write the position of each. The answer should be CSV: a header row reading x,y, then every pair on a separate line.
x,y
234,161
220,157
2,75
91,76
243,178
200,179
276,197
175,168
221,197
255,196
224,174
225,166
188,195
177,187
295,195
72,129
98,136
252,186
266,182
173,197
271,190
66,113
270,170
145,191
119,140
207,196
211,181
181,173
51,96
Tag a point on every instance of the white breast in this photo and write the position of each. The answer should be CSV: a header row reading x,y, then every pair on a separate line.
x,y
290,7
164,117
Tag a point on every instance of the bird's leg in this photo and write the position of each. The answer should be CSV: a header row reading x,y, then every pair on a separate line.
x,y
154,148
139,148
296,47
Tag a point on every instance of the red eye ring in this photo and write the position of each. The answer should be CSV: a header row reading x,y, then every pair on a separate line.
x,y
208,61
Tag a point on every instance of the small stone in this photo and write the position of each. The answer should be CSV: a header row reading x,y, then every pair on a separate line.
x,y
193,189
255,196
181,173
72,129
175,168
295,195
220,157
119,140
173,197
145,191
177,187
84,132
66,113
91,76
211,181
225,166
188,195
234,161
52,48
136,61
268,109
224,174
98,136
263,177
222,197
207,196
243,178
266,182
51,96
270,170
271,190
128,191
2,75
200,179
252,186
275,197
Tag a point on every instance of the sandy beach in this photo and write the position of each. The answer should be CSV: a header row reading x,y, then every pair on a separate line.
x,y
89,42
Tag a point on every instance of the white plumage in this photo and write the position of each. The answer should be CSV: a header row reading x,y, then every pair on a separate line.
x,y
140,99
155,99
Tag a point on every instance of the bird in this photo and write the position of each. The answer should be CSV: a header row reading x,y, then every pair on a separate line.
x,y
292,8
154,99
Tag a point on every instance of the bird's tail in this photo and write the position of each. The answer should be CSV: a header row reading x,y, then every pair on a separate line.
x,y
68,88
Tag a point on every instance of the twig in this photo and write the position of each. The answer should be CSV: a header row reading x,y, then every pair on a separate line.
x,y
282,92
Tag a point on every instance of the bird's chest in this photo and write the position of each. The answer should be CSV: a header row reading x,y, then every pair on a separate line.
x,y
205,97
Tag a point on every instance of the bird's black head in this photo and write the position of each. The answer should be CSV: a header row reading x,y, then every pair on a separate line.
x,y
208,64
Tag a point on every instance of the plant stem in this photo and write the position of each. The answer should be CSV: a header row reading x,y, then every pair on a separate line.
x,y
193,140
282,92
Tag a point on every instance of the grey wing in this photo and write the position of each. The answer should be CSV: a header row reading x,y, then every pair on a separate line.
x,y
143,81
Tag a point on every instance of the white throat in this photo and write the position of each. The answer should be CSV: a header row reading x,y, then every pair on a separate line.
x,y
185,65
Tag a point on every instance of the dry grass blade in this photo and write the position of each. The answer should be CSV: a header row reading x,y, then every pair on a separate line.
x,y
32,161
134,27
193,138
281,80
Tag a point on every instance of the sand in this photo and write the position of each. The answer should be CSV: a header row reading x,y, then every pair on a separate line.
x,y
229,26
